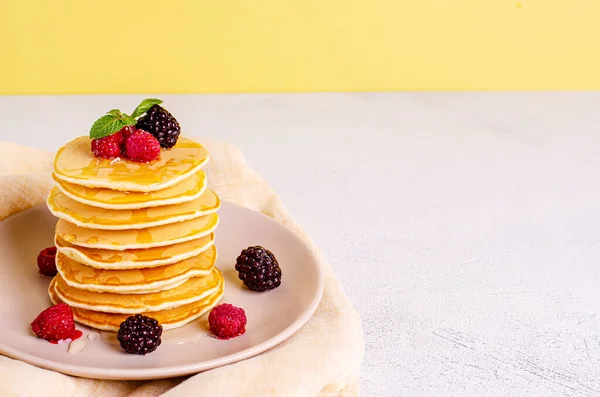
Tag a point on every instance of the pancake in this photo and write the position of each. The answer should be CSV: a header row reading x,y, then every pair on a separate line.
x,y
169,319
135,281
188,189
134,259
134,237
192,290
90,217
119,240
75,163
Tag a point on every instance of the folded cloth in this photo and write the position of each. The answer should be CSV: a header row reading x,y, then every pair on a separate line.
x,y
322,359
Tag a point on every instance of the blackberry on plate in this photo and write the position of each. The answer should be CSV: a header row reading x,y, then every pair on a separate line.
x,y
160,123
139,334
258,268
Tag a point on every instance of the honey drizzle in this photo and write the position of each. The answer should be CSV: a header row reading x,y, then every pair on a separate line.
x,y
75,160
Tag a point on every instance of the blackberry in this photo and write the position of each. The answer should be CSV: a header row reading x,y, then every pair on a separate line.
x,y
258,268
160,123
139,334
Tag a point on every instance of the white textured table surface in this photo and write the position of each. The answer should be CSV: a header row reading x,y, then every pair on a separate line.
x,y
464,227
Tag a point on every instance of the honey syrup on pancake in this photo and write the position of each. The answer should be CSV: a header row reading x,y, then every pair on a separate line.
x,y
76,162
137,238
99,218
169,319
134,258
87,276
192,290
186,190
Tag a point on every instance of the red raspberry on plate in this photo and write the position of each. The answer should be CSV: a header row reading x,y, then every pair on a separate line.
x,y
55,323
46,261
227,321
110,146
141,146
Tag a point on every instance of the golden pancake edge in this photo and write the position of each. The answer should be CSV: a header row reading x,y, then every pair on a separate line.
x,y
135,281
90,217
134,258
192,290
120,240
188,189
169,319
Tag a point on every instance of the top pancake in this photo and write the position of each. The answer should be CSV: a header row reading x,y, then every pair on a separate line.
x,y
75,163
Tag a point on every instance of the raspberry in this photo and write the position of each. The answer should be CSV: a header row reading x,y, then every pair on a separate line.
x,y
139,334
258,268
142,147
110,146
55,323
227,321
46,261
126,131
160,123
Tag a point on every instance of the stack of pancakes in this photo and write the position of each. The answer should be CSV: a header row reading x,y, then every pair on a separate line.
x,y
133,237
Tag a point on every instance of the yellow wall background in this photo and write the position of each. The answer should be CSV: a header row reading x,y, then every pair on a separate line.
x,y
180,46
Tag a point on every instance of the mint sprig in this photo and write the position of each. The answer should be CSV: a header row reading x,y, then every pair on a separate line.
x,y
128,120
110,123
114,119
145,106
105,126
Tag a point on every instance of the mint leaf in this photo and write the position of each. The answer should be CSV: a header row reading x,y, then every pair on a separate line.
x,y
114,120
105,126
128,120
145,106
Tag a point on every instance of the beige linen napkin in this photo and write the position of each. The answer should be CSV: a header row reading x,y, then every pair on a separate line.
x,y
322,359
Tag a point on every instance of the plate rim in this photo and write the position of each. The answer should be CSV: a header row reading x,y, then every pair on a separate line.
x,y
186,369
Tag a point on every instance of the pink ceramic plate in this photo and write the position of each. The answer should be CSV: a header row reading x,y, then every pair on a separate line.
x,y
272,316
